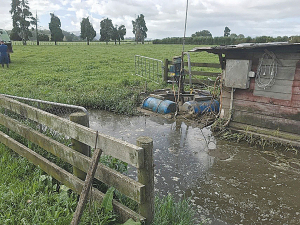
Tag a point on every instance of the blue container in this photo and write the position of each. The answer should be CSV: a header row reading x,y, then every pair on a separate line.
x,y
202,106
159,106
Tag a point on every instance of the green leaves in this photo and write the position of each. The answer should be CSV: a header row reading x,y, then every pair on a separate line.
x,y
87,30
107,201
54,26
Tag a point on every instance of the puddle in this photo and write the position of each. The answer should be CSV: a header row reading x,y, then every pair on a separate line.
x,y
228,183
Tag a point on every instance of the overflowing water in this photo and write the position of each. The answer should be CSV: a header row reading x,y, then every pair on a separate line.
x,y
228,183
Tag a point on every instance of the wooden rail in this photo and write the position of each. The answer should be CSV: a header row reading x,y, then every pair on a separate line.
x,y
194,73
132,154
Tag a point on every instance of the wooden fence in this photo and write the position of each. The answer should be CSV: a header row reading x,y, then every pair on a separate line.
x,y
141,157
199,77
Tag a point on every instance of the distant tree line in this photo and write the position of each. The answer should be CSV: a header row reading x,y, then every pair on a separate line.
x,y
220,40
204,37
24,23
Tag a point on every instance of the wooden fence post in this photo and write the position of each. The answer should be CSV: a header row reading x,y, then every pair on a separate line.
x,y
83,119
166,70
146,177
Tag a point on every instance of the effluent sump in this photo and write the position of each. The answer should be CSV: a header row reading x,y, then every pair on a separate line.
x,y
228,183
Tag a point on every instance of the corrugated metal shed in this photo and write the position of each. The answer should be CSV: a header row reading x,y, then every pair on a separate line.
x,y
272,110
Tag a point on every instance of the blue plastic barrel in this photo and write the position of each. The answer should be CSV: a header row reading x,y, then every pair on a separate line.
x,y
201,106
159,106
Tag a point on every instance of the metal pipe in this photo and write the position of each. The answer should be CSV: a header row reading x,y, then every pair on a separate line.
x,y
49,103
190,70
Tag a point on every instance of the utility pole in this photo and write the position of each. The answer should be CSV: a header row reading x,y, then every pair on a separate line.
x,y
36,29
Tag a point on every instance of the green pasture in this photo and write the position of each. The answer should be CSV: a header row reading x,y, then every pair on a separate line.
x,y
94,76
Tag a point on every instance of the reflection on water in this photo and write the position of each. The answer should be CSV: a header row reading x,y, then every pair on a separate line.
x,y
228,183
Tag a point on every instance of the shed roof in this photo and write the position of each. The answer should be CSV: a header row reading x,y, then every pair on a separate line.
x,y
290,47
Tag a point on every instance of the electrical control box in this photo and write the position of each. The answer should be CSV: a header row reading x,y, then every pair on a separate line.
x,y
175,67
237,73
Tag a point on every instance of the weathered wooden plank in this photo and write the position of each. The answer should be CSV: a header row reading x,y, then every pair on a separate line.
x,y
279,87
288,137
116,148
124,184
265,136
247,95
270,122
276,95
282,88
284,62
202,73
283,73
200,81
285,83
276,111
211,65
63,176
278,91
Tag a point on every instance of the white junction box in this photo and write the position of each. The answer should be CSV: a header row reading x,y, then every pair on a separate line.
x,y
237,73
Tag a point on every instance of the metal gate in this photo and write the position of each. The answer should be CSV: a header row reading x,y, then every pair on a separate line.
x,y
149,68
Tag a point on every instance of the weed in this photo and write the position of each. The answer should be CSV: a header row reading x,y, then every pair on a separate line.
x,y
168,211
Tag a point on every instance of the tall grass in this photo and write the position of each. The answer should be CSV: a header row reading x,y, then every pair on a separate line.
x,y
27,198
168,211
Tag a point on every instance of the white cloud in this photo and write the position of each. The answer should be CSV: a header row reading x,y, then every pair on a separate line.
x,y
165,19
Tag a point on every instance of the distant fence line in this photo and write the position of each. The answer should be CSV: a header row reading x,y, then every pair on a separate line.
x,y
75,43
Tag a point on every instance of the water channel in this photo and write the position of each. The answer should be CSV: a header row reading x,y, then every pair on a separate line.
x,y
228,183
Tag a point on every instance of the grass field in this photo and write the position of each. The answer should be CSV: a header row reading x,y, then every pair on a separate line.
x,y
95,76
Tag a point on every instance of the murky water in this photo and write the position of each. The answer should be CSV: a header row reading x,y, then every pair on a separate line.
x,y
228,183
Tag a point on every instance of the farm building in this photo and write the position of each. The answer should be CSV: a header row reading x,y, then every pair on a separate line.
x,y
260,88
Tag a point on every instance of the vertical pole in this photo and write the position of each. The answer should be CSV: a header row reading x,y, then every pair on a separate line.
x,y
40,125
82,119
149,62
157,72
142,66
135,64
166,70
146,176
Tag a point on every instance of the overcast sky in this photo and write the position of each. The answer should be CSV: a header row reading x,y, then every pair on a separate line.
x,y
166,18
